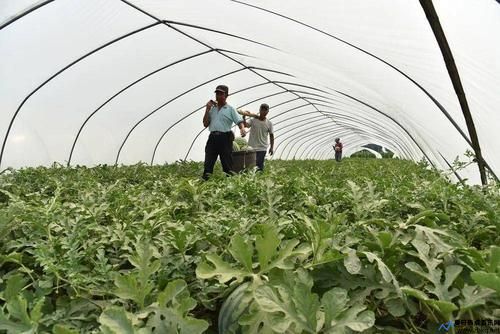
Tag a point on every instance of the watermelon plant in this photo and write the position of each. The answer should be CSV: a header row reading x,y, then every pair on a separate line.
x,y
240,144
366,246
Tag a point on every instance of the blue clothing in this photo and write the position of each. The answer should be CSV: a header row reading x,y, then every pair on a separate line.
x,y
338,155
259,159
222,120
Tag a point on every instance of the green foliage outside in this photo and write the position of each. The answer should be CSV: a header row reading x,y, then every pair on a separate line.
x,y
368,245
363,154
387,155
367,154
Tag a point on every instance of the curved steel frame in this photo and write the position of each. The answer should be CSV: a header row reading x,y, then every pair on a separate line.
x,y
165,104
393,145
200,108
298,136
319,146
310,153
32,9
358,101
364,132
201,131
388,116
180,95
436,102
436,26
341,115
158,21
309,132
161,137
123,90
370,125
192,113
425,5
58,73
320,150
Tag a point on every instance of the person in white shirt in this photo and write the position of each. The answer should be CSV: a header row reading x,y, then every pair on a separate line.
x,y
260,128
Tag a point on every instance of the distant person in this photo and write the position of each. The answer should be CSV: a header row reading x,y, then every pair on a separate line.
x,y
260,128
338,149
219,117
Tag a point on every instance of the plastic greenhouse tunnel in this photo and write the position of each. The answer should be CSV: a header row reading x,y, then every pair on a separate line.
x,y
106,225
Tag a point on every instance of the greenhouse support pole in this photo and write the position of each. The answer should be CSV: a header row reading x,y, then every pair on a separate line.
x,y
433,19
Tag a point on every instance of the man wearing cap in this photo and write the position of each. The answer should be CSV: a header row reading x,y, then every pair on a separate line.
x,y
260,128
219,117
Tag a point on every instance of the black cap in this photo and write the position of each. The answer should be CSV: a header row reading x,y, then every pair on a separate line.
x,y
222,88
264,106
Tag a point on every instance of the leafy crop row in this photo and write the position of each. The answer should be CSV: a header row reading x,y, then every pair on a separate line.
x,y
306,247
